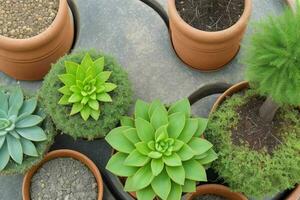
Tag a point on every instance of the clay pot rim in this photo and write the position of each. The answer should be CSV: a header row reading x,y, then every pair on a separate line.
x,y
216,189
209,37
233,89
38,40
295,194
60,154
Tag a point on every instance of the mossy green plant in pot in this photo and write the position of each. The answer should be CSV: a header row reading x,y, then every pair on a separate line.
x,y
160,151
25,131
86,93
257,131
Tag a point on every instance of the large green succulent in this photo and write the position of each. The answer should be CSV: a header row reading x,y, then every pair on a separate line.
x,y
160,151
85,87
19,127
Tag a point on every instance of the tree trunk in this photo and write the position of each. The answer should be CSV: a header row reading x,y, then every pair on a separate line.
x,y
268,110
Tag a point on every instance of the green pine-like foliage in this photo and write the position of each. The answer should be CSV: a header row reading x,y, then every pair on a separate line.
x,y
273,58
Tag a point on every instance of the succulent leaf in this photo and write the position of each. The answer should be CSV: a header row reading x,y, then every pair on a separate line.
x,y
4,155
201,127
28,107
146,194
34,133
15,149
141,110
29,121
177,174
140,180
18,126
2,140
132,136
116,165
85,87
194,171
4,102
176,192
182,106
136,159
28,147
189,186
161,185
157,165
118,141
164,149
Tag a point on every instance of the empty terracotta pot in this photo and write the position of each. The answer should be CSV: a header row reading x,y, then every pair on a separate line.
x,y
31,58
61,154
218,190
207,51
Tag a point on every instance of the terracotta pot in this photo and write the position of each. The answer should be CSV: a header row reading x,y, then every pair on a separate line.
x,y
203,50
31,59
295,195
215,189
59,154
233,89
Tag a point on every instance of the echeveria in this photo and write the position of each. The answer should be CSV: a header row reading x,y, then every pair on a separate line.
x,y
19,127
85,87
160,151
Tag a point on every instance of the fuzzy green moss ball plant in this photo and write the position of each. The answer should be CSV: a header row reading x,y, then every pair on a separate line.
x,y
160,151
255,173
86,93
25,134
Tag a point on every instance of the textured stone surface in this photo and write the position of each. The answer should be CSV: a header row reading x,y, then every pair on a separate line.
x,y
138,38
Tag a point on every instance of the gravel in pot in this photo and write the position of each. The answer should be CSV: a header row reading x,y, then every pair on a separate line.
x,y
24,19
63,178
63,175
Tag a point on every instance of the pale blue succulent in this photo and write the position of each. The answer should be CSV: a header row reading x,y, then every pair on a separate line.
x,y
19,127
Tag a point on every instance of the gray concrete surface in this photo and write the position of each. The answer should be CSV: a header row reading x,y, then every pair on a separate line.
x,y
138,38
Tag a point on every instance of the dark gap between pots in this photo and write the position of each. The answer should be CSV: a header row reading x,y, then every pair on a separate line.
x,y
157,7
76,21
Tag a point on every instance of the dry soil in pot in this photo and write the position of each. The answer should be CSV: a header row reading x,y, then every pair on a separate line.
x,y
64,179
26,18
210,15
254,131
209,197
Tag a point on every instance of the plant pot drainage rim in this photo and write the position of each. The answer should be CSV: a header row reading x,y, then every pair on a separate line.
x,y
58,154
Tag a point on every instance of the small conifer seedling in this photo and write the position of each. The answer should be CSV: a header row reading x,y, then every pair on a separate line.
x,y
273,61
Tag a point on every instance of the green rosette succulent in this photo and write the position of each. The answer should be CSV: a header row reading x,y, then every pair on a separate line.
x,y
19,127
85,87
160,151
